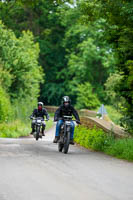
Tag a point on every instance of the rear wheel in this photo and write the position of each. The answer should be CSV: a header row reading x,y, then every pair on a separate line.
x,y
66,143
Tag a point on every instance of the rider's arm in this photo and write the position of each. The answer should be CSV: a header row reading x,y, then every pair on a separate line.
x,y
57,114
46,114
75,113
33,113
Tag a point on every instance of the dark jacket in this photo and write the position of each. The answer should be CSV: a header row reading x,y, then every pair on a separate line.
x,y
40,113
69,111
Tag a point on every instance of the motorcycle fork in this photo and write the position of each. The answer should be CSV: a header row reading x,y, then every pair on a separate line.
x,y
65,130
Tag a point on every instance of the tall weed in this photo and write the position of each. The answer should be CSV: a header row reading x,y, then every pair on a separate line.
x,y
90,138
120,148
18,129
114,114
97,139
14,129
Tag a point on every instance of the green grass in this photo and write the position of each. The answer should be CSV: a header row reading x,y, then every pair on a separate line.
x,y
98,140
51,114
113,114
90,138
120,148
18,129
14,129
49,124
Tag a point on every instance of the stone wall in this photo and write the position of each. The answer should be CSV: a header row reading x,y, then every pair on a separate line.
x,y
88,119
108,127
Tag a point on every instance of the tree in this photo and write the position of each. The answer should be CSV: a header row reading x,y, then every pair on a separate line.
x,y
119,33
89,58
6,111
20,74
42,19
112,87
19,56
86,98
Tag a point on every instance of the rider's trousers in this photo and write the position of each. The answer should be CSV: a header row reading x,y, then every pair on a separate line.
x,y
58,126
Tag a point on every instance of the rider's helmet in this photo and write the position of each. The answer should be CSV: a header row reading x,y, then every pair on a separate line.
x,y
40,105
66,101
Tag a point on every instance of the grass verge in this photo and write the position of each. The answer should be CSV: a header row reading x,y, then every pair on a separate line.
x,y
14,129
18,129
113,114
49,124
98,140
120,148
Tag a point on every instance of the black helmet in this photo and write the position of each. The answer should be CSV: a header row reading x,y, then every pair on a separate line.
x,y
66,99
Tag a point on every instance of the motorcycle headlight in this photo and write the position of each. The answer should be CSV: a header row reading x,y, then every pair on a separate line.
x,y
39,121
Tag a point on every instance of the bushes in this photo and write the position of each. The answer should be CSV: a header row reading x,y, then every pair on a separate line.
x,y
86,98
14,129
17,129
113,114
19,57
97,139
6,112
20,78
23,108
121,148
90,138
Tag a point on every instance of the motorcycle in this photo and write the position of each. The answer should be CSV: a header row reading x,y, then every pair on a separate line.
x,y
64,140
38,127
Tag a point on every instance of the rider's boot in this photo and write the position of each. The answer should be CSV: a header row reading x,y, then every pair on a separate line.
x,y
56,139
43,133
72,141
32,131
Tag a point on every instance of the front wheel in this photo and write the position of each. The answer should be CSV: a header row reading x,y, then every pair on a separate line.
x,y
66,142
37,132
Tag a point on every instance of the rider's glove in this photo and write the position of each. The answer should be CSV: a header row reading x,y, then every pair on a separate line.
x,y
78,122
55,120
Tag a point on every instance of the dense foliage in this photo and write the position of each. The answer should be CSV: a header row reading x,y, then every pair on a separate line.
x,y
20,74
119,33
71,53
6,111
97,139
85,51
85,97
18,128
90,138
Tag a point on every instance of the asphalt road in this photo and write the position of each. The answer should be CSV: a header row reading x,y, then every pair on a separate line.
x,y
35,170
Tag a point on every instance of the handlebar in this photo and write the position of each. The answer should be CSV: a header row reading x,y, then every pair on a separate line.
x,y
34,118
68,117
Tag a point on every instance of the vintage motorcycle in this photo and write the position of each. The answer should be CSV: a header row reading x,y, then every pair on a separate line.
x,y
38,127
64,140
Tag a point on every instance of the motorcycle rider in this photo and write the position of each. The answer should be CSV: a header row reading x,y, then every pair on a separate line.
x,y
65,109
39,112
